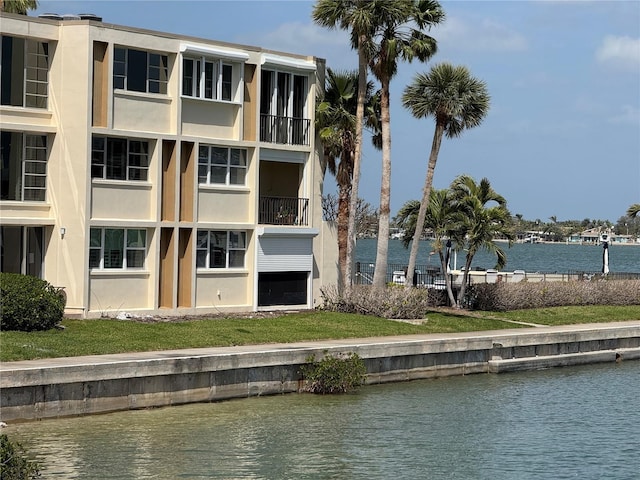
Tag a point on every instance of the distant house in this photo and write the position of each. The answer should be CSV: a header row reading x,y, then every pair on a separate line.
x,y
575,238
622,239
530,236
591,236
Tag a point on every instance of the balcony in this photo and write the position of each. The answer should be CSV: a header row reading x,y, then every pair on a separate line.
x,y
284,211
284,130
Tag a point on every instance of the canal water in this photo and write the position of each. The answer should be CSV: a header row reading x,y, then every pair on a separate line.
x,y
537,257
565,423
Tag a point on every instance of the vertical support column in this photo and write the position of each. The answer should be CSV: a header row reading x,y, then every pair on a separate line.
x,y
187,181
167,268
188,193
250,106
100,84
185,268
168,202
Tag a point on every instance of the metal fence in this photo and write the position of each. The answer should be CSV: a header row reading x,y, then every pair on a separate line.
x,y
581,275
396,272
432,277
284,211
284,130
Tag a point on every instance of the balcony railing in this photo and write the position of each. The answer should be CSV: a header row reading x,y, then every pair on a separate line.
x,y
284,211
284,130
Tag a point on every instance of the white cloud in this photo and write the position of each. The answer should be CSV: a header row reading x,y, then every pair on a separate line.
x,y
629,115
309,39
623,52
473,34
457,34
478,35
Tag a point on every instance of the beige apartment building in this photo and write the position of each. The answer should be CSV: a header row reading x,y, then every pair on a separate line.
x,y
151,173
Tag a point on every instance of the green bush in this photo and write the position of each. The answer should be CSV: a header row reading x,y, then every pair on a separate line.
x,y
333,374
14,463
28,303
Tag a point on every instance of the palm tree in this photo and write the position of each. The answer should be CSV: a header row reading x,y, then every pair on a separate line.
x,y
357,17
457,101
633,210
397,36
336,124
18,6
480,222
442,219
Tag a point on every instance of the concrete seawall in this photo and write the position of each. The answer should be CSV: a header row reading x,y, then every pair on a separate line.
x,y
36,389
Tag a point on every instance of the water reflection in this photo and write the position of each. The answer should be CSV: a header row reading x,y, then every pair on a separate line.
x,y
578,422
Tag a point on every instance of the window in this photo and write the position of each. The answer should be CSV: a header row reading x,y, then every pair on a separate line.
x,y
140,71
221,249
22,250
222,165
24,72
119,158
207,78
283,108
23,166
117,248
227,72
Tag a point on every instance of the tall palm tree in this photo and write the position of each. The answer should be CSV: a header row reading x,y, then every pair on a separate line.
x,y
336,124
482,215
356,16
18,6
634,210
457,101
398,35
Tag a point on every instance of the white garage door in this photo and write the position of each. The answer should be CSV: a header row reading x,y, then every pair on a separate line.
x,y
282,254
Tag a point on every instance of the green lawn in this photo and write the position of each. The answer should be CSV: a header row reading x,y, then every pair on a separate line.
x,y
573,315
91,337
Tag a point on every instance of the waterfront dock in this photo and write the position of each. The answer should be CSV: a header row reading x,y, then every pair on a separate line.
x,y
59,387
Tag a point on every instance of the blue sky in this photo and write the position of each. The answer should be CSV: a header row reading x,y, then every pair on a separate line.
x,y
562,137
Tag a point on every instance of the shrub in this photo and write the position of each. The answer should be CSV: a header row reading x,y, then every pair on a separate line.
x,y
14,463
333,374
515,296
395,302
28,303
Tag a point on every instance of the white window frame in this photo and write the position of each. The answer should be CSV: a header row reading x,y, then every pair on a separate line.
x,y
129,167
33,161
163,83
204,251
32,73
275,93
199,78
284,106
33,171
125,248
209,164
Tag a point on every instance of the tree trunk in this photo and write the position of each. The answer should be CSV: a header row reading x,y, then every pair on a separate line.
x,y
353,201
380,273
447,279
424,204
343,226
465,279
